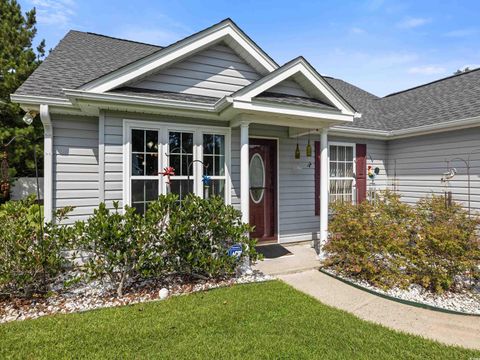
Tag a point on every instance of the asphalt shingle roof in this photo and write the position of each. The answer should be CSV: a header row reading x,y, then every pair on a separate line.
x,y
294,100
81,57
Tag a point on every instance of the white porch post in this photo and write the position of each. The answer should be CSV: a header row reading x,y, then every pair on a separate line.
x,y
244,172
323,186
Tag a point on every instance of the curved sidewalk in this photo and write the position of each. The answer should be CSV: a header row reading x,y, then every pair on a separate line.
x,y
300,271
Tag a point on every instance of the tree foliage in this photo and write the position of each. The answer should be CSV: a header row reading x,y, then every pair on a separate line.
x,y
18,60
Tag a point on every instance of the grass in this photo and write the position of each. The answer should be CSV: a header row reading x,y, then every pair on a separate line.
x,y
257,321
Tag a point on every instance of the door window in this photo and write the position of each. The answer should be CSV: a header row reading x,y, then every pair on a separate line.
x,y
257,178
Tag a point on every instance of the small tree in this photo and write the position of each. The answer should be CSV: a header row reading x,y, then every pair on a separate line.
x,y
18,60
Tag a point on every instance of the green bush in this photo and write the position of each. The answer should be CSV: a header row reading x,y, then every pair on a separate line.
x,y
112,240
446,246
199,234
28,261
369,240
389,243
191,237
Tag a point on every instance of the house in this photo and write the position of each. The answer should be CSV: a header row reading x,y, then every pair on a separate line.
x,y
278,142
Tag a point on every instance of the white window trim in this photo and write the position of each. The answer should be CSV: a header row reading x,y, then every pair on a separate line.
x,y
164,128
354,183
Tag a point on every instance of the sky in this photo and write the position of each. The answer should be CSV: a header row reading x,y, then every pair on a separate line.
x,y
381,46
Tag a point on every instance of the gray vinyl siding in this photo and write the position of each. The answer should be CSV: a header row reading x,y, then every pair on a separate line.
x,y
216,71
289,87
419,163
296,186
75,164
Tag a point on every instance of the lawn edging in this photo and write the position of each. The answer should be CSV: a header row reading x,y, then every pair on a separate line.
x,y
393,298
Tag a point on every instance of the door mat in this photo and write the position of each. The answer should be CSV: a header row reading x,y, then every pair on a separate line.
x,y
272,251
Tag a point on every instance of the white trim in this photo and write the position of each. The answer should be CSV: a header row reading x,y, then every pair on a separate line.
x,y
36,100
226,30
164,128
297,66
245,171
354,154
312,113
409,132
324,186
277,139
101,157
47,162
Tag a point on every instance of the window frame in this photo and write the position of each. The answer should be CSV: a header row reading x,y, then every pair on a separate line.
x,y
164,129
354,162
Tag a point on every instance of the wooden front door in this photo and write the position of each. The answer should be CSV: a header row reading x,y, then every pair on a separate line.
x,y
263,189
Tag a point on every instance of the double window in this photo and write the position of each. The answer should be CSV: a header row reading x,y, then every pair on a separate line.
x,y
197,156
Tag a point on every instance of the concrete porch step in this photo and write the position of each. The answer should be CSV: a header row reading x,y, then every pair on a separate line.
x,y
303,258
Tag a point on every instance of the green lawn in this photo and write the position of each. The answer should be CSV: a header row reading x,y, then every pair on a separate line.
x,y
269,320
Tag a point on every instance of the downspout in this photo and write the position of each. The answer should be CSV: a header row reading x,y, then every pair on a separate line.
x,y
47,163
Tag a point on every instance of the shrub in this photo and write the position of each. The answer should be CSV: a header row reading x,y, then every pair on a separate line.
x,y
199,234
446,248
28,261
389,243
191,237
112,239
369,240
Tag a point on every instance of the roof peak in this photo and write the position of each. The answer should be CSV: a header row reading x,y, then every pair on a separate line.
x,y
433,82
115,38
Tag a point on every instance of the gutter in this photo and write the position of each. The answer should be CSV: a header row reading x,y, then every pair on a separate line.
x,y
410,132
47,162
138,100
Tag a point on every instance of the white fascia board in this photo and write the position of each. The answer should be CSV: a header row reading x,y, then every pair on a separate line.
x,y
355,132
36,100
410,132
292,111
258,87
138,100
437,127
177,52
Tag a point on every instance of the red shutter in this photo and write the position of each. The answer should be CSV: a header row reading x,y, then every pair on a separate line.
x,y
361,172
317,178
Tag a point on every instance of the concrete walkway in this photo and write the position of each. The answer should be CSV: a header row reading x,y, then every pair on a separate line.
x,y
461,330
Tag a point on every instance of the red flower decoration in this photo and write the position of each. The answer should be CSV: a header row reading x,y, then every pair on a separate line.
x,y
168,171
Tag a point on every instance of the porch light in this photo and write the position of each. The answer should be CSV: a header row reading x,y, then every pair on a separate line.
x,y
29,116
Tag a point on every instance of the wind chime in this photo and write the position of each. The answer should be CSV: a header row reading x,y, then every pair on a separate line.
x,y
308,151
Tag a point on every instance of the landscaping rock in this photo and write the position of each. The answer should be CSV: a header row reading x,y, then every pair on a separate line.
x,y
467,302
86,296
163,293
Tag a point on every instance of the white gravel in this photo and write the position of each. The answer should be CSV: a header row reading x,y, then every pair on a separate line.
x,y
467,302
97,294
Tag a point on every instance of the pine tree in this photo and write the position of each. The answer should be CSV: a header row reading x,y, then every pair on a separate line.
x,y
18,60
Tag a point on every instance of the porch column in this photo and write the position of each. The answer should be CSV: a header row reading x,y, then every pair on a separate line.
x,y
244,172
324,175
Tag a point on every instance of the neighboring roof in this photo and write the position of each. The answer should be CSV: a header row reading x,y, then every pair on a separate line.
x,y
81,57
156,94
294,100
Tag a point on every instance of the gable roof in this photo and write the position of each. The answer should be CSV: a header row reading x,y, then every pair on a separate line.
x,y
320,89
83,57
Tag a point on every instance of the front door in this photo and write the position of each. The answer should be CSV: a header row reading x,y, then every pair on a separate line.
x,y
263,189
